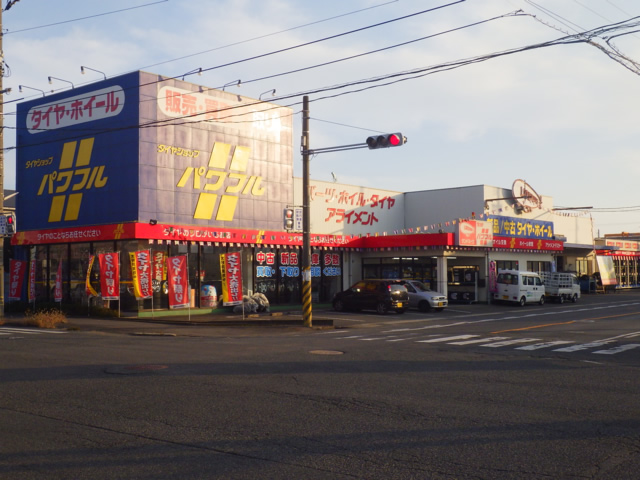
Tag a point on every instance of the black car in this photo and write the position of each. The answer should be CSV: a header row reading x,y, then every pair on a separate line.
x,y
378,295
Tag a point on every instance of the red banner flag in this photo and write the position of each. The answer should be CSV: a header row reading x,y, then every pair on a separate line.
x,y
141,273
57,291
109,275
178,281
231,272
16,278
32,280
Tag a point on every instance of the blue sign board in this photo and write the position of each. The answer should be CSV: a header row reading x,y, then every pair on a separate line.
x,y
521,227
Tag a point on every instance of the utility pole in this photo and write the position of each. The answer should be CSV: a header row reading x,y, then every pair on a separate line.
x,y
2,164
306,220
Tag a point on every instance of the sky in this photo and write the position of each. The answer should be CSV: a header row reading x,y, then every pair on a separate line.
x,y
562,117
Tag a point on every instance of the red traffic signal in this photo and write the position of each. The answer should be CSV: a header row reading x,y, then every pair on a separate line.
x,y
11,223
386,140
288,218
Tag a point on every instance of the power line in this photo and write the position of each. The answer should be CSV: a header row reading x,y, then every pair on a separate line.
x,y
267,35
81,18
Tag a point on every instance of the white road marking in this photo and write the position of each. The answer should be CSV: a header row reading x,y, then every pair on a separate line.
x,y
582,346
29,331
621,348
538,346
506,343
445,339
478,340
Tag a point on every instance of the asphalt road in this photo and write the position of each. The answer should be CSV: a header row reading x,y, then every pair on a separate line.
x,y
475,392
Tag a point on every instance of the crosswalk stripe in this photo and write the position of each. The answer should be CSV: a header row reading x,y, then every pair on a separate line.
x,y
621,348
582,346
30,331
506,343
538,346
446,339
478,340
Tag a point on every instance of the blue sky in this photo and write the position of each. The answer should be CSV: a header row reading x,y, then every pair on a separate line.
x,y
563,118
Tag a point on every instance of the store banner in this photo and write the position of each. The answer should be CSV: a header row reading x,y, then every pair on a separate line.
x,y
57,291
109,275
17,269
91,292
141,273
32,280
159,271
178,282
231,272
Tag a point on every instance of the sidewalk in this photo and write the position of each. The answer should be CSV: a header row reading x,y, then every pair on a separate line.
x,y
149,321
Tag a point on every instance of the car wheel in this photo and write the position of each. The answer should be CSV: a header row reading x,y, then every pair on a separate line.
x,y
541,300
523,301
424,306
338,305
381,308
574,299
561,299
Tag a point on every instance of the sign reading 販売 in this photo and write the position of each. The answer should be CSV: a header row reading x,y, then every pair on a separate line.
x,y
178,282
109,275
17,269
141,273
231,273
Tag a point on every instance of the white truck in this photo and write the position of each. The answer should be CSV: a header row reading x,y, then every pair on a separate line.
x,y
560,286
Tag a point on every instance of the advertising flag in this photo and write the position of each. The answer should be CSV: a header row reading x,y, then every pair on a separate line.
x,y
141,273
91,292
159,269
57,291
109,275
16,277
178,282
231,273
32,280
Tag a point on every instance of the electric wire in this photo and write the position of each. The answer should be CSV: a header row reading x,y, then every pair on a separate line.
x,y
83,18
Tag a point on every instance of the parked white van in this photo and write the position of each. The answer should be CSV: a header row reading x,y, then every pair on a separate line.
x,y
519,287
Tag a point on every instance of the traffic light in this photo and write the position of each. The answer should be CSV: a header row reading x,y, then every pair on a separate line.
x,y
386,140
288,218
11,223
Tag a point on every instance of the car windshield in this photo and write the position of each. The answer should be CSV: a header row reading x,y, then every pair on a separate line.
x,y
420,286
508,279
397,287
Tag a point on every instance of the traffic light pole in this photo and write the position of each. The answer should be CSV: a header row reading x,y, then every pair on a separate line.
x,y
306,218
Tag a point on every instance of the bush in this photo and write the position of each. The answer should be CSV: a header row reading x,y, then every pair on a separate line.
x,y
45,318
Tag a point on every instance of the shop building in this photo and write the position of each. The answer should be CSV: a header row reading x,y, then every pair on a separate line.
x,y
141,162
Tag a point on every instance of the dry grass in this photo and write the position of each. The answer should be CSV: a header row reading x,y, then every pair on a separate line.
x,y
45,318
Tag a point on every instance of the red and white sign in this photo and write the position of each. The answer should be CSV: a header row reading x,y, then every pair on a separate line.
x,y
141,273
178,281
17,269
90,106
525,196
472,233
109,275
528,243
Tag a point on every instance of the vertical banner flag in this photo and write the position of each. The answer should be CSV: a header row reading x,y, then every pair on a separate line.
x,y
57,291
178,282
141,273
32,280
159,271
109,275
231,273
16,278
91,292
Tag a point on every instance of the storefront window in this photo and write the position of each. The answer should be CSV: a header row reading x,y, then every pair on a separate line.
x,y
331,275
211,285
371,268
507,265
390,267
289,276
78,265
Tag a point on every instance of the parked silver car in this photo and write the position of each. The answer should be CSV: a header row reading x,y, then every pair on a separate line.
x,y
422,298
